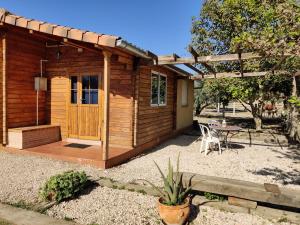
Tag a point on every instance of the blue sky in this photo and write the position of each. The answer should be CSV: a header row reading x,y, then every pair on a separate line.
x,y
162,26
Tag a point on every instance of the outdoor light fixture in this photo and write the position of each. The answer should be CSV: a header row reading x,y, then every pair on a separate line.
x,y
58,53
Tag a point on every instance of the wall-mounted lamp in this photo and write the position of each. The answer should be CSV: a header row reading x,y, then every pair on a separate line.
x,y
58,53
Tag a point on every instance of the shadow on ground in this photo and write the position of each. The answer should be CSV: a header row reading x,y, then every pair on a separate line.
x,y
290,177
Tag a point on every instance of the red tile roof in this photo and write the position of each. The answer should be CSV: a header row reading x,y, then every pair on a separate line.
x,y
57,30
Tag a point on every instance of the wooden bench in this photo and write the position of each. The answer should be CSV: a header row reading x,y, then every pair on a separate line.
x,y
244,190
28,137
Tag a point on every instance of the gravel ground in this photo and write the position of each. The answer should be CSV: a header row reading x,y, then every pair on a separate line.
x,y
257,163
22,176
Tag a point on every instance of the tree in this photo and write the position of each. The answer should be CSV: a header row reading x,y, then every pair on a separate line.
x,y
212,91
256,91
269,27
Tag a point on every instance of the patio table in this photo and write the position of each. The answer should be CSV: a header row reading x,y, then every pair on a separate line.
x,y
225,129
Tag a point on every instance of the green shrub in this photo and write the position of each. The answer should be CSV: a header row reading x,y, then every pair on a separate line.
x,y
64,186
212,196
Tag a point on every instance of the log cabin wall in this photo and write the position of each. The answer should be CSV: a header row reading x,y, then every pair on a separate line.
x,y
71,63
155,122
121,102
23,64
1,90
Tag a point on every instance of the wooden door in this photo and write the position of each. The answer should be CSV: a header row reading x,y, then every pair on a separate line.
x,y
85,108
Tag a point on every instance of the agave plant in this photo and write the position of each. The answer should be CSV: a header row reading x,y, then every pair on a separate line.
x,y
173,192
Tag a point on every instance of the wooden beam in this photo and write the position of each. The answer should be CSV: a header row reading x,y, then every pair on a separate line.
x,y
195,69
242,189
241,64
196,55
210,58
242,202
4,83
106,75
193,52
175,57
209,68
237,74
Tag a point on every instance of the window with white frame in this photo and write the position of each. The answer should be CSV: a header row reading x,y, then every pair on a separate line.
x,y
158,89
184,93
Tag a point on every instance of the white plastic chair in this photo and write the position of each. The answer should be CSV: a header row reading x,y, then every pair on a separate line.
x,y
212,123
208,139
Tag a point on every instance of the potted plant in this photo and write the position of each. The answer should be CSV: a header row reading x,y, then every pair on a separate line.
x,y
174,202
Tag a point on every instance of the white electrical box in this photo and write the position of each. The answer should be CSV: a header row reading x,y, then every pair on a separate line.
x,y
40,83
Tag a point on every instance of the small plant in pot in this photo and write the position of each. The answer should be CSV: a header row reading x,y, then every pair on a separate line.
x,y
174,202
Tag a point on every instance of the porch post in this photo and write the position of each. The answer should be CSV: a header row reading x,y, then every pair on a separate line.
x,y
4,123
106,86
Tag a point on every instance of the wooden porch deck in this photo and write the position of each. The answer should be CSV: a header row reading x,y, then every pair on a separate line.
x,y
90,155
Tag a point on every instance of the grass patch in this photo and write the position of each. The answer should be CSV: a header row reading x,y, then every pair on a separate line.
x,y
22,204
282,220
212,196
68,218
115,187
4,222
142,192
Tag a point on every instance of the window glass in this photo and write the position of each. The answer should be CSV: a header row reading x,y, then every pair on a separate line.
x,y
154,89
162,90
94,97
94,82
73,82
158,89
184,93
89,90
85,97
85,82
74,89
74,96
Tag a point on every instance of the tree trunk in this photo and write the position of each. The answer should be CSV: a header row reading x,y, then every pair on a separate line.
x,y
256,110
224,108
294,131
258,123
201,108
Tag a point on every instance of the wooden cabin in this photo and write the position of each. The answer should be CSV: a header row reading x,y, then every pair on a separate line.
x,y
61,88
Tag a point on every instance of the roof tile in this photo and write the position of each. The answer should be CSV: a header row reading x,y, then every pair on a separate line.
x,y
61,31
11,19
22,22
75,34
90,37
107,40
34,25
47,28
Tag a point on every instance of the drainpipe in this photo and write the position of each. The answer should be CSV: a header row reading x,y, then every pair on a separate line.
x,y
4,119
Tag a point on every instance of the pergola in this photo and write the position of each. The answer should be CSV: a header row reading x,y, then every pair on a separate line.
x,y
207,61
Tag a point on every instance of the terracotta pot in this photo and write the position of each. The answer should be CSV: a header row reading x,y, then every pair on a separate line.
x,y
174,215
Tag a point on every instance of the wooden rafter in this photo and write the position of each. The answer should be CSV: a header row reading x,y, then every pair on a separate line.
x,y
196,55
163,60
237,74
194,68
241,64
175,57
